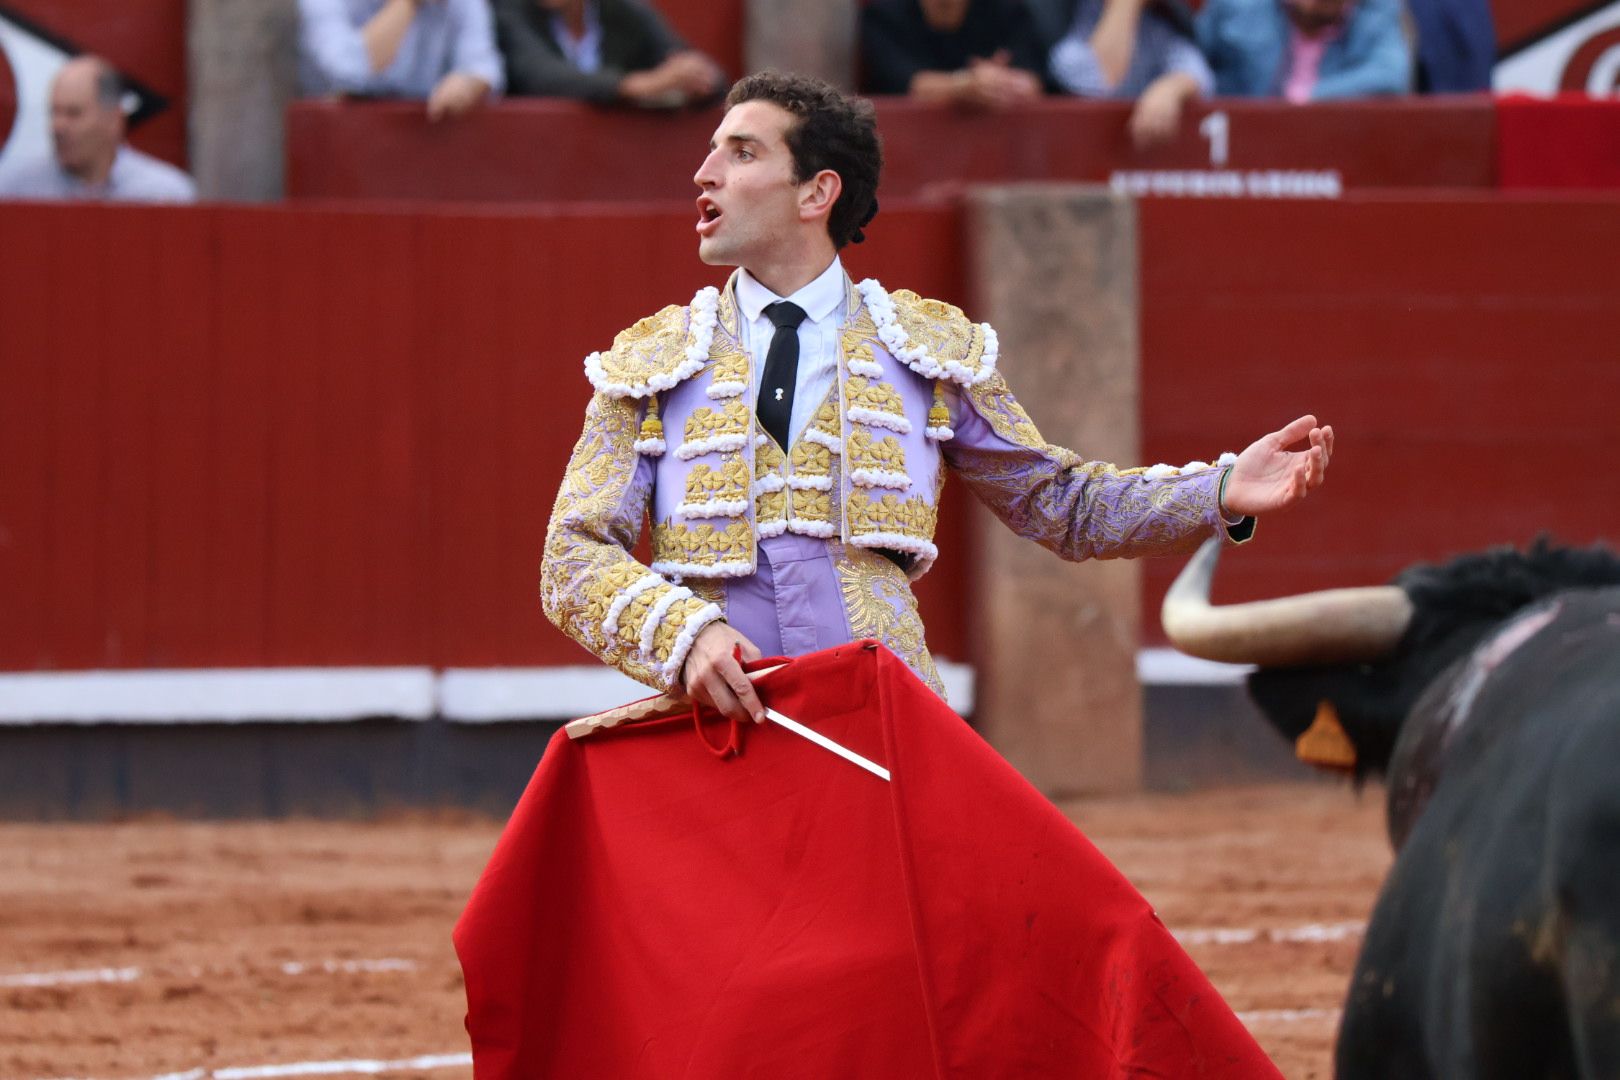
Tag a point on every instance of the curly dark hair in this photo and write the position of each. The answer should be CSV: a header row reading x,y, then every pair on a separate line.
x,y
834,131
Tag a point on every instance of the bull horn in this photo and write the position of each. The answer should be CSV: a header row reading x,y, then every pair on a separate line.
x,y
1327,627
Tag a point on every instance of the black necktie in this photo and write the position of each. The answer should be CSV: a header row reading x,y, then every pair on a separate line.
x,y
775,406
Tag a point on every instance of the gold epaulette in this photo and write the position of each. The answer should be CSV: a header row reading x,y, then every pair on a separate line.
x,y
952,346
658,352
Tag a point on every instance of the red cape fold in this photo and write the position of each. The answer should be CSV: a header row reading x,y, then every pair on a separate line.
x,y
655,911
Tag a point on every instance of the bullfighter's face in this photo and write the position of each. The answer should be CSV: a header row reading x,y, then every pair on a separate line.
x,y
750,191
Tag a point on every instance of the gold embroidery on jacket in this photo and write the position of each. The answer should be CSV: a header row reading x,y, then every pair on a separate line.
x,y
674,622
703,544
727,482
612,581
769,505
811,459
867,452
654,345
730,366
709,590
706,423
913,517
879,397
594,523
880,604
940,328
635,615
826,418
995,402
811,505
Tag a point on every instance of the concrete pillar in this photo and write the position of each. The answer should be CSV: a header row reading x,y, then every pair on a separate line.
x,y
809,38
1053,268
243,62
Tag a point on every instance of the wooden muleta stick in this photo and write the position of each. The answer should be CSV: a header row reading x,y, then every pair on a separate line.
x,y
640,712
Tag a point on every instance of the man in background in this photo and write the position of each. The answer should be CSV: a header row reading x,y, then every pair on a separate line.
x,y
981,54
89,158
1134,50
1306,50
603,51
438,51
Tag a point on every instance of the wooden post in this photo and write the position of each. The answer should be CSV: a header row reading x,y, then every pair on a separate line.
x,y
1053,268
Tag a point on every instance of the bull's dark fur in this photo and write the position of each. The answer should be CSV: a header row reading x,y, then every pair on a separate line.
x,y
1455,605
1494,950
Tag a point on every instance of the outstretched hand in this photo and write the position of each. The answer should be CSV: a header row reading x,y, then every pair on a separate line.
x,y
1269,476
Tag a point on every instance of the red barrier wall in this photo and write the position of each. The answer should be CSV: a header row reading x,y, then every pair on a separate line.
x,y
1463,349
280,436
239,437
545,151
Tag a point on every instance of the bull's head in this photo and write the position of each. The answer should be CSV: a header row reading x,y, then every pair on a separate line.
x,y
1340,670
1323,680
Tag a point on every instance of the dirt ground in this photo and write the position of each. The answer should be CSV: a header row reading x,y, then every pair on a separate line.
x,y
187,951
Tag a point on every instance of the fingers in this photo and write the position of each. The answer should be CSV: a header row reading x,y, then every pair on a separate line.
x,y
742,690
713,676
1295,431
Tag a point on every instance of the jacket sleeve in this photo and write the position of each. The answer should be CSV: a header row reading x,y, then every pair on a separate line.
x,y
1079,509
590,586
474,51
333,46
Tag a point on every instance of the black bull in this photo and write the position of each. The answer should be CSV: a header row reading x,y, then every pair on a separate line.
x,y
1494,714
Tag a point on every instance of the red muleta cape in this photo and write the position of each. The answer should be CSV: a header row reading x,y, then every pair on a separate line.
x,y
652,910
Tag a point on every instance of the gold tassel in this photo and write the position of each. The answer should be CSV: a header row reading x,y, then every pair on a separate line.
x,y
939,416
651,437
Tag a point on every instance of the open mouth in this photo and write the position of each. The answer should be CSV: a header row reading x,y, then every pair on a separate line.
x,y
708,214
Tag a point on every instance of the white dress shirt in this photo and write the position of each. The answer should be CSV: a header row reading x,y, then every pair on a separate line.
x,y
825,305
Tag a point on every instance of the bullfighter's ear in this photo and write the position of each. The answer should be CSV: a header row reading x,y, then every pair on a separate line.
x,y
1325,744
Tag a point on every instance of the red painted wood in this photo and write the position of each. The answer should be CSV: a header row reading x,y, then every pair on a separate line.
x,y
244,436
76,401
129,326
184,400
1462,348
247,322
26,423
1572,141
537,151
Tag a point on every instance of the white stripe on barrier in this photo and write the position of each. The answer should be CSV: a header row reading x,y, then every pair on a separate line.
x,y
1287,1016
244,695
212,695
484,695
1310,932
1167,667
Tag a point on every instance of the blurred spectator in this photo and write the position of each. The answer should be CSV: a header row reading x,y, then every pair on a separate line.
x,y
1306,50
89,158
1135,49
978,53
603,51
1456,45
440,51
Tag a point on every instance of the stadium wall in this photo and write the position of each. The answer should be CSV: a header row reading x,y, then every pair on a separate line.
x,y
327,439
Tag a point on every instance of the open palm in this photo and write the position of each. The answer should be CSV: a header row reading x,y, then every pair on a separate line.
x,y
1269,476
